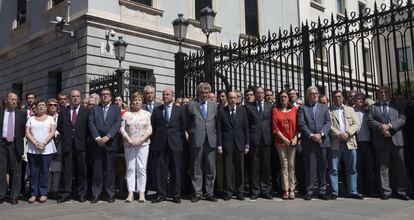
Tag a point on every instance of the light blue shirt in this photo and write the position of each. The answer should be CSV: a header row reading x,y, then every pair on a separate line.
x,y
341,118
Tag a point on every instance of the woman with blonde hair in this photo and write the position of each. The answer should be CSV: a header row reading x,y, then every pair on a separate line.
x,y
136,130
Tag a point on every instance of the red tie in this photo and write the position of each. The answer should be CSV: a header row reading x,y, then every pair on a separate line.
x,y
74,115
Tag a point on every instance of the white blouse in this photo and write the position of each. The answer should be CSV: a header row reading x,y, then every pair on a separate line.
x,y
136,125
40,130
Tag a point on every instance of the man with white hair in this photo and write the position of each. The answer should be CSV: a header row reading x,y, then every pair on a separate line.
x,y
203,127
314,123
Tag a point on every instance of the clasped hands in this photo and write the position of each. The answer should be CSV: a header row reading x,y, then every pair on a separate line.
x,y
134,142
40,145
102,141
317,137
385,130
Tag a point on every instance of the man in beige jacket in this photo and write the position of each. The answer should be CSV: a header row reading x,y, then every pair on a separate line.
x,y
344,126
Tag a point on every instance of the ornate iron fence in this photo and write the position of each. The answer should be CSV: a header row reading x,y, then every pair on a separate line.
x,y
354,51
129,82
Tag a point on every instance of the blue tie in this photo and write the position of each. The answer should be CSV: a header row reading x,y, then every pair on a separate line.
x,y
385,112
167,114
204,110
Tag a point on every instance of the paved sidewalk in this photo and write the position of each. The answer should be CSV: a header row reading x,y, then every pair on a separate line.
x,y
260,209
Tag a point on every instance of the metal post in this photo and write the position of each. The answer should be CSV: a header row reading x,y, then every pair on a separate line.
x,y
179,74
307,77
209,65
121,82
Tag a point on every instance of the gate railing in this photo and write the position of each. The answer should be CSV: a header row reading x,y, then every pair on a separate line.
x,y
354,51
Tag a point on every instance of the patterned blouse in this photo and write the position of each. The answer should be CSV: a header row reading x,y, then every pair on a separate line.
x,y
136,124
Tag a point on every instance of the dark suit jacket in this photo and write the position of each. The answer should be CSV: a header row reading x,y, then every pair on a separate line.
x,y
199,128
145,106
19,129
171,133
396,119
309,124
234,132
100,127
260,126
73,133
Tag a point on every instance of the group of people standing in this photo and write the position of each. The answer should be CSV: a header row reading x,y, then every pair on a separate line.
x,y
166,140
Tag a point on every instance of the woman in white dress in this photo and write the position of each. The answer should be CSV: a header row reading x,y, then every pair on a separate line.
x,y
136,130
40,130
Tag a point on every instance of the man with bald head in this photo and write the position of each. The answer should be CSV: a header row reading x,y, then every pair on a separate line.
x,y
73,129
168,124
12,128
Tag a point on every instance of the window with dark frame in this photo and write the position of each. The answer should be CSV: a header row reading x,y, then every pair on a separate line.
x,y
367,58
54,82
140,78
340,6
344,54
320,53
144,2
18,89
251,17
56,2
200,4
21,12
405,61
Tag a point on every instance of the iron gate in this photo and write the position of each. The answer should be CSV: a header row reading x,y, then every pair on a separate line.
x,y
350,51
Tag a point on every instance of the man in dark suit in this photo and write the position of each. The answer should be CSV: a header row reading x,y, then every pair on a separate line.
x,y
104,125
409,130
386,120
234,138
314,122
73,129
168,124
202,126
12,129
259,114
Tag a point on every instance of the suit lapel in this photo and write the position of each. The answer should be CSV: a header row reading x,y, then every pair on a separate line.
x,y
1,120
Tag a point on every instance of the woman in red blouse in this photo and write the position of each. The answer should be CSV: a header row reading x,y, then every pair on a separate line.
x,y
285,132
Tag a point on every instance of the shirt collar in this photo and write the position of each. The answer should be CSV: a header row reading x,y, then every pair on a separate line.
x,y
170,105
10,110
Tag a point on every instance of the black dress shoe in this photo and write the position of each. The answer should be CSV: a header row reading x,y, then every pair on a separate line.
x,y
158,200
82,199
268,196
176,200
226,197
403,197
1,199
307,197
195,198
334,197
323,197
94,199
253,196
63,199
111,199
240,197
385,197
14,200
211,198
356,196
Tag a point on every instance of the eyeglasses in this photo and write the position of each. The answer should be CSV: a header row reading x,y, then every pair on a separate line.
x,y
52,105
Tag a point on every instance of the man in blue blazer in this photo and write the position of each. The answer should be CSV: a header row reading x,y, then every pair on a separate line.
x,y
314,122
104,125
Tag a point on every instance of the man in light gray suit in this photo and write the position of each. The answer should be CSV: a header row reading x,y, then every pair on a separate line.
x,y
202,127
314,122
386,120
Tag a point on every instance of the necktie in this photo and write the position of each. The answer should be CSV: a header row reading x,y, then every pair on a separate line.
x,y
167,114
260,108
385,112
74,116
232,115
105,111
314,110
150,108
204,110
10,127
